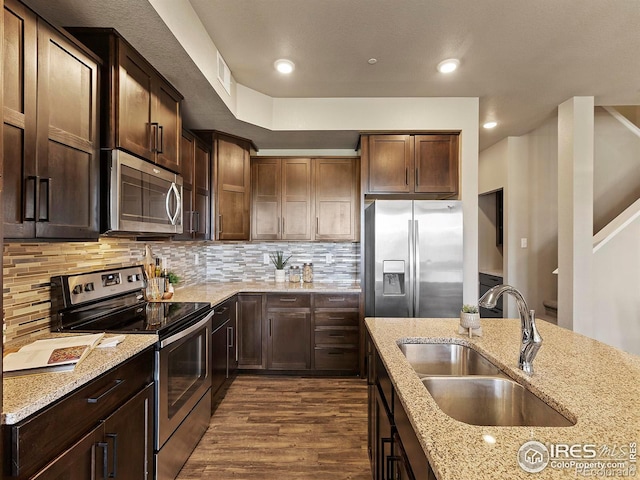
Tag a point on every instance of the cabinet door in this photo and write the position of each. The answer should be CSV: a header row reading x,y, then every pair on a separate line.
x,y
128,434
167,125
250,338
187,155
390,164
67,139
232,340
436,160
383,438
289,340
219,357
83,460
19,129
202,192
336,209
296,199
233,192
266,195
134,131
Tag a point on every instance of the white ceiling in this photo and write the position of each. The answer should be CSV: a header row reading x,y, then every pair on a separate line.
x,y
521,58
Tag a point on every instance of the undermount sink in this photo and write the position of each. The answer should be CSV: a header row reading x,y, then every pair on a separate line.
x,y
495,401
446,359
468,387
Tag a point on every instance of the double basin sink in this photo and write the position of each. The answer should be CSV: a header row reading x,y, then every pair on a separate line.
x,y
469,388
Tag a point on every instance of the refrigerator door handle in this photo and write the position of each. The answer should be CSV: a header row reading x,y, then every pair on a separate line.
x,y
410,290
416,293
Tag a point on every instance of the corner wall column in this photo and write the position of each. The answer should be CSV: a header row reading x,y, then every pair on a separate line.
x,y
575,212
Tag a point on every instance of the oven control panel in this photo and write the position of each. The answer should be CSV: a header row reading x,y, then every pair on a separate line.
x,y
86,287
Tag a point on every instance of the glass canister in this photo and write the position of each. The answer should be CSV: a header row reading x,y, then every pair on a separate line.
x,y
294,274
307,272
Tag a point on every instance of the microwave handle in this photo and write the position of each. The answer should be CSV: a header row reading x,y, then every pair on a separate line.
x,y
173,218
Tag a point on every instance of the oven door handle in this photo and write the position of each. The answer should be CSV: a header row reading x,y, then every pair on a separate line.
x,y
188,331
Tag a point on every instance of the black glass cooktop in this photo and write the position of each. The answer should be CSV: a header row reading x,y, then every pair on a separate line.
x,y
141,317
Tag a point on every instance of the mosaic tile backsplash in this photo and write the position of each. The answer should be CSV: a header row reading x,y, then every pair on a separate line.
x,y
28,268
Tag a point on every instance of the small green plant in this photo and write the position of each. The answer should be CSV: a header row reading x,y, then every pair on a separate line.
x,y
278,260
469,309
173,278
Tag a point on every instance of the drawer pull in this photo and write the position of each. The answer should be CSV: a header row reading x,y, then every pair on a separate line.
x,y
114,466
335,353
288,299
222,310
336,335
96,399
105,450
336,299
336,318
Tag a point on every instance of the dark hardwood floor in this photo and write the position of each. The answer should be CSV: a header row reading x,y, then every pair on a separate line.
x,y
270,427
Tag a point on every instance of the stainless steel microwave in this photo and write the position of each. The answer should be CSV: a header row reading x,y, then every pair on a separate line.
x,y
142,198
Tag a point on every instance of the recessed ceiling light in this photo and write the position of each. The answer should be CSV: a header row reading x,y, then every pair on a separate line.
x,y
490,125
449,65
284,66
372,61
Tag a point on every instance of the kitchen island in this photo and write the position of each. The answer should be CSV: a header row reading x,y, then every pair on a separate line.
x,y
591,383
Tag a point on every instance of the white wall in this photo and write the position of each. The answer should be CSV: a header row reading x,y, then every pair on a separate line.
x,y
543,206
616,176
616,306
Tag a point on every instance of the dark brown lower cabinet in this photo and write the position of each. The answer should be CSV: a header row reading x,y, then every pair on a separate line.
x,y
289,335
394,450
224,349
250,338
315,332
102,430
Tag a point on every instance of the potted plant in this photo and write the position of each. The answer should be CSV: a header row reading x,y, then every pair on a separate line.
x,y
278,260
469,316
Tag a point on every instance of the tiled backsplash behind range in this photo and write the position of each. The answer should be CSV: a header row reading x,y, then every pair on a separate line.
x,y
28,268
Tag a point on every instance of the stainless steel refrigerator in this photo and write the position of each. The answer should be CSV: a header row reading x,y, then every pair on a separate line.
x,y
413,258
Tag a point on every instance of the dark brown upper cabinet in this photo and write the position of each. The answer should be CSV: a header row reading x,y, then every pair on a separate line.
x,y
411,164
50,131
336,198
141,109
281,192
231,181
196,189
304,198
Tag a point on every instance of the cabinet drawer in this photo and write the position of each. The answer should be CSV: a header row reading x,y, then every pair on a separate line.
x,y
56,428
289,301
336,358
222,312
348,336
337,319
490,280
336,300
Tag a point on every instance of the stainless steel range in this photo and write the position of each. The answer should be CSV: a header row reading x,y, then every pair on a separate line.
x,y
113,301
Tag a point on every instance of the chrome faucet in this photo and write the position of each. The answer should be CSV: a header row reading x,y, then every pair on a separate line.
x,y
531,339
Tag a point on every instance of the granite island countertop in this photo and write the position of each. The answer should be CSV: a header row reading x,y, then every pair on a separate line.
x,y
216,292
25,395
588,381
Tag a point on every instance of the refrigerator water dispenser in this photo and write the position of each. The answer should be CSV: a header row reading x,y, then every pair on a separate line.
x,y
393,275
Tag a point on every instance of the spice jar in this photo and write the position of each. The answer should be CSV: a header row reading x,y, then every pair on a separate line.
x,y
294,274
307,272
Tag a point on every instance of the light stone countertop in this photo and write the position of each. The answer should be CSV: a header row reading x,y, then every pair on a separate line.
x,y
588,381
25,395
22,396
216,292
